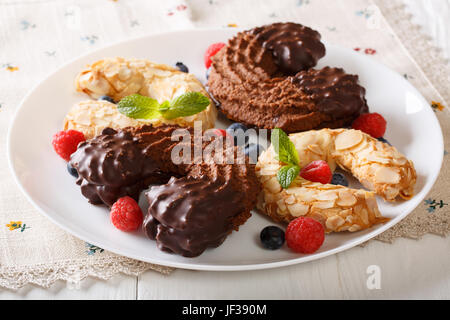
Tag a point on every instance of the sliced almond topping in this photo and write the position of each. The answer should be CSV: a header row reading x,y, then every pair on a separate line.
x,y
124,74
323,204
377,158
399,161
343,228
346,212
348,139
316,149
294,190
360,146
346,199
298,209
367,184
364,216
327,195
290,200
373,206
354,228
334,222
263,178
272,185
306,195
387,175
281,206
269,197
390,193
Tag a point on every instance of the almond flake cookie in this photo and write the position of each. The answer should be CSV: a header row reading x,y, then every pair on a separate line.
x,y
91,117
377,165
119,77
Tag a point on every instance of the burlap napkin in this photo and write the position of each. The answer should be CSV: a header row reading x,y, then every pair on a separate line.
x,y
36,37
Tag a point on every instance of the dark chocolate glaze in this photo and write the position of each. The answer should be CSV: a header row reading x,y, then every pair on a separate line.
x,y
258,86
112,166
195,205
181,219
334,92
294,46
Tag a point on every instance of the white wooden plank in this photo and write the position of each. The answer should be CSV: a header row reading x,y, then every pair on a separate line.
x,y
311,280
409,269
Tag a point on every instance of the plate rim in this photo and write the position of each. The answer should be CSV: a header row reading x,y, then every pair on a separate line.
x,y
207,267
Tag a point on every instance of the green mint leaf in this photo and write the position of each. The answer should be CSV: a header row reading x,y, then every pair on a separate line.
x,y
185,105
284,147
287,174
139,107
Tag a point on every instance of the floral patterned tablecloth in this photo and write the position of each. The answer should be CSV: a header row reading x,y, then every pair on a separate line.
x,y
38,36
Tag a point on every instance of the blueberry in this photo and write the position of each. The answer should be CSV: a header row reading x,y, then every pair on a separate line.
x,y
106,98
237,130
72,170
384,141
272,237
237,125
208,71
182,67
253,151
339,179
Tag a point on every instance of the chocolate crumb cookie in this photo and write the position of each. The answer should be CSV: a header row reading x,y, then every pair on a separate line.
x,y
263,78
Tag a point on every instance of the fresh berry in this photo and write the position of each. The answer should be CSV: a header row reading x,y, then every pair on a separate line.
x,y
126,215
220,132
317,171
106,98
339,179
371,123
182,67
237,130
384,141
208,71
211,51
66,142
305,235
272,237
72,170
236,126
253,151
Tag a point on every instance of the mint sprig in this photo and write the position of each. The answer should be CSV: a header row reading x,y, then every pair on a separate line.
x,y
286,153
137,106
287,174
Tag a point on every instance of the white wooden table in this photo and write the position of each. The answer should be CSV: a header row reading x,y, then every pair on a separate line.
x,y
409,269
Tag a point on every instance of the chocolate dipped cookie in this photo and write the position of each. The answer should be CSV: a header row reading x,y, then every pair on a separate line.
x,y
264,78
193,205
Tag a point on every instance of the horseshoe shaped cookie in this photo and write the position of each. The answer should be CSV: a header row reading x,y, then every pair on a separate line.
x,y
263,78
378,166
118,78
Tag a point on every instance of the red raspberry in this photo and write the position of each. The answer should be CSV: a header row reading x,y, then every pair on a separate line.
x,y
371,123
211,51
317,171
126,215
220,132
305,235
66,142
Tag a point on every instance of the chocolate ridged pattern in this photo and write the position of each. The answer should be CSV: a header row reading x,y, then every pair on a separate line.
x,y
248,80
193,206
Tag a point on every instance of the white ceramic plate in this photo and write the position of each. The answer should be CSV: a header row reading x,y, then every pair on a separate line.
x,y
42,176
